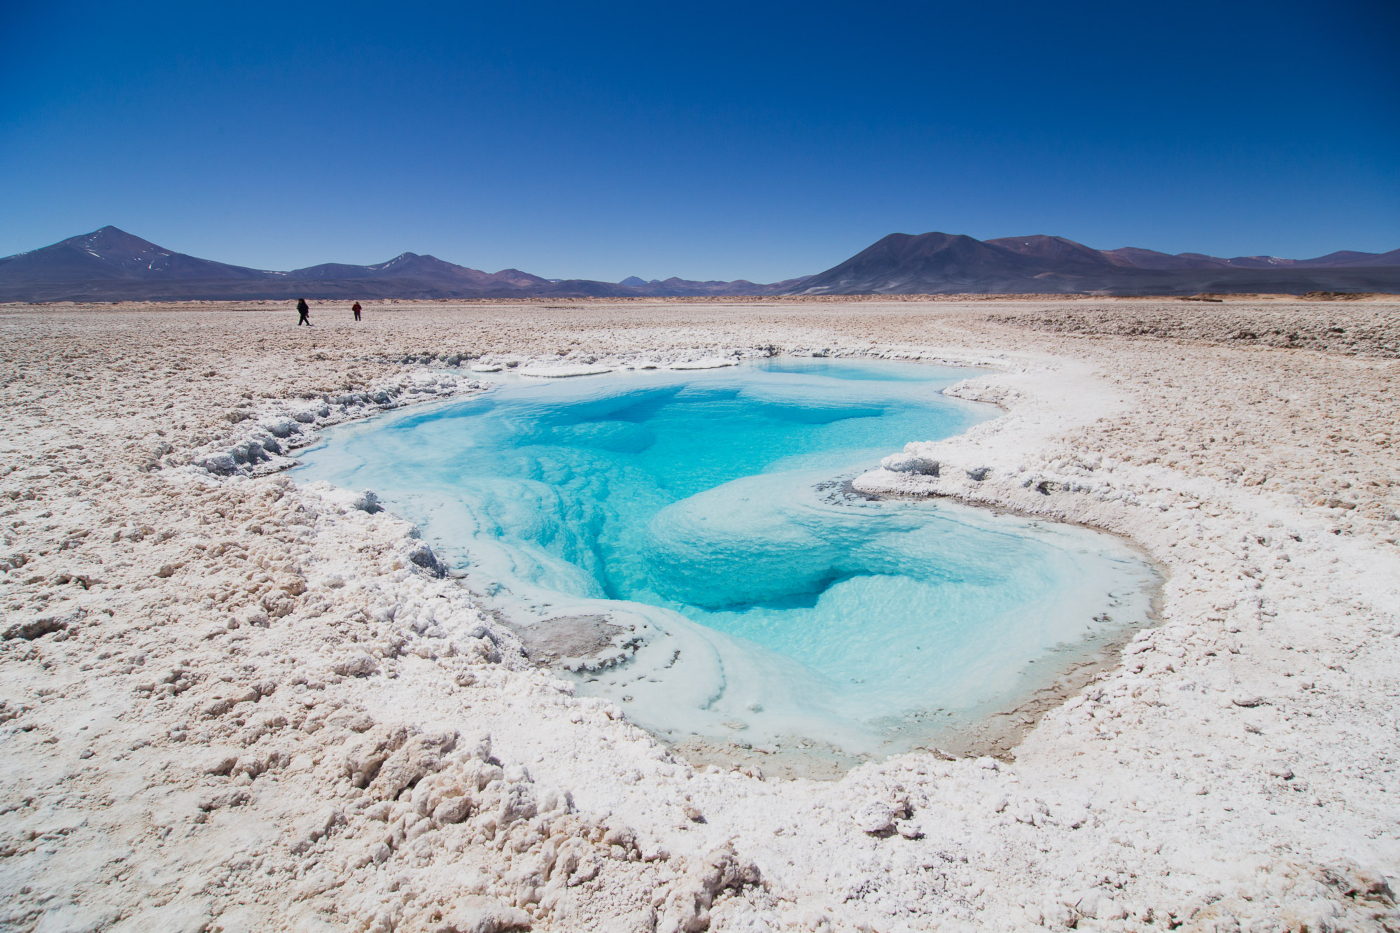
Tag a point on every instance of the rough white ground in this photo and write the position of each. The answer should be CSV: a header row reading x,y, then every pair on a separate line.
x,y
231,703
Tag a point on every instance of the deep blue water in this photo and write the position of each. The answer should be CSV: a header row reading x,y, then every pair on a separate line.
x,y
705,510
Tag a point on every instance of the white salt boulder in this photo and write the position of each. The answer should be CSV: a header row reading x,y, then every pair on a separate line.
x,y
910,463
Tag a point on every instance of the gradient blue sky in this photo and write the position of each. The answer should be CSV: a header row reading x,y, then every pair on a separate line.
x,y
714,140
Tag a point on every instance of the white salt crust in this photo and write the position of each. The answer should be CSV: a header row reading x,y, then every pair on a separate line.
x,y
230,702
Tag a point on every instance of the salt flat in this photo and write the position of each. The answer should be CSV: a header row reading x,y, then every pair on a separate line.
x,y
230,702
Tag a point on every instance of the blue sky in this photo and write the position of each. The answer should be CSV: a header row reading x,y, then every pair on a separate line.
x,y
715,140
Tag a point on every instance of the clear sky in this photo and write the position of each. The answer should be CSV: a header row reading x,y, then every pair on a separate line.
x,y
706,140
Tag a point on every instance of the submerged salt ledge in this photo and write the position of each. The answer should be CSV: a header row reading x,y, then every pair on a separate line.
x,y
1195,787
562,372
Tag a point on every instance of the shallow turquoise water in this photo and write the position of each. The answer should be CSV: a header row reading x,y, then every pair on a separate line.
x,y
704,509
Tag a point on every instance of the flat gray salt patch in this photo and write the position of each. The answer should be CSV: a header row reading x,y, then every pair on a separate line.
x,y
562,372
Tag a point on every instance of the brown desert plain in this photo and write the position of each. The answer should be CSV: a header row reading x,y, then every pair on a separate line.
x,y
233,702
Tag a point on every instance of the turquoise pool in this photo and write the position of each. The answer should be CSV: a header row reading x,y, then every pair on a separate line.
x,y
705,512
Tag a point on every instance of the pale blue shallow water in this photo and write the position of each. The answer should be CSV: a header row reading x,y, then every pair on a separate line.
x,y
704,510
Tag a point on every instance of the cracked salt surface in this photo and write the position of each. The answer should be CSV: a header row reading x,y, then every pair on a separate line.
x,y
691,515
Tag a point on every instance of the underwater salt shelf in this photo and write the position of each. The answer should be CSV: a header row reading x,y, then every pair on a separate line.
x,y
692,531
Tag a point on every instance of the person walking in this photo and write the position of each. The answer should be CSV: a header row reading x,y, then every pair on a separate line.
x,y
356,308
303,309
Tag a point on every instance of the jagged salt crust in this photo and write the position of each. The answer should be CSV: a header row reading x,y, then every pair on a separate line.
x,y
266,439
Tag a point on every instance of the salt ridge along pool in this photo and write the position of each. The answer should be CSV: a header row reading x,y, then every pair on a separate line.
x,y
685,543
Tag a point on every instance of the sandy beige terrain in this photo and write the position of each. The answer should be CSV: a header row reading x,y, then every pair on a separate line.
x,y
229,702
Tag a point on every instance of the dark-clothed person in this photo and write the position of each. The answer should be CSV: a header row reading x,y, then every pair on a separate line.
x,y
303,309
356,308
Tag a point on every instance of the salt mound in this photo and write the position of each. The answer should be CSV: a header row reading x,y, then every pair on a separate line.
x,y
562,372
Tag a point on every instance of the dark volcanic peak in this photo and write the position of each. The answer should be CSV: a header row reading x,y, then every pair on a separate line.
x,y
929,263
1350,257
424,271
1151,259
522,279
942,263
1239,262
1056,251
111,255
402,259
331,270
1347,257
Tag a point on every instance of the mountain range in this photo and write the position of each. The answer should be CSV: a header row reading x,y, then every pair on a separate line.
x,y
943,263
112,265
